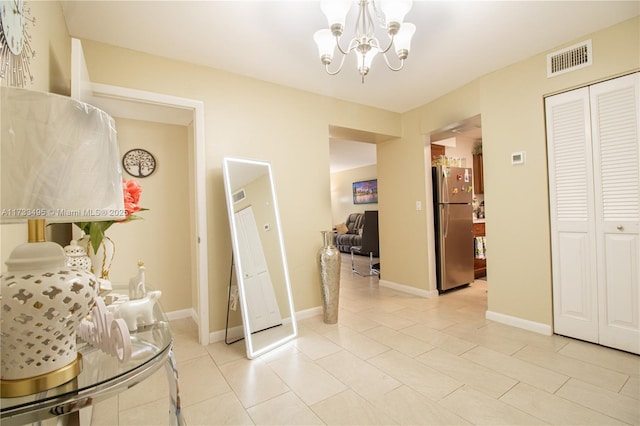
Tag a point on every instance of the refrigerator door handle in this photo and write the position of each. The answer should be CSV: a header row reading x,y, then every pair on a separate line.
x,y
445,181
444,215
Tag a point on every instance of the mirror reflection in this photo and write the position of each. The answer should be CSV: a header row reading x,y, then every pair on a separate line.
x,y
261,269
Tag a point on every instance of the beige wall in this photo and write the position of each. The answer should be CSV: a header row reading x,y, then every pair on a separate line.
x,y
244,118
517,220
250,118
49,39
511,103
342,192
253,119
161,239
51,69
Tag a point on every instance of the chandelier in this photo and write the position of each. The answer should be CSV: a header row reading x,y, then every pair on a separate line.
x,y
364,43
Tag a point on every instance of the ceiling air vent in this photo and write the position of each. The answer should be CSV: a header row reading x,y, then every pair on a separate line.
x,y
569,59
239,195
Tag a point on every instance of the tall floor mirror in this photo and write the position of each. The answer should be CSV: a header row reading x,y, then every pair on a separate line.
x,y
260,263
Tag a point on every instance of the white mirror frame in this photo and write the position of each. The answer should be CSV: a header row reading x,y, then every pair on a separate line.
x,y
252,351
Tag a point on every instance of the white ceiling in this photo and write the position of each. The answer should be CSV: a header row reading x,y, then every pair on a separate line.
x,y
455,41
346,155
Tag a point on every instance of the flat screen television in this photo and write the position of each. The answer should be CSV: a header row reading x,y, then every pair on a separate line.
x,y
365,192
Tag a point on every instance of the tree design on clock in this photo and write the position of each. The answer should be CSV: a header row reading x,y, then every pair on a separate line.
x,y
139,162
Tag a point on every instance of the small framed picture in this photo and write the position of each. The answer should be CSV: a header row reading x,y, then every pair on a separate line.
x,y
139,162
365,192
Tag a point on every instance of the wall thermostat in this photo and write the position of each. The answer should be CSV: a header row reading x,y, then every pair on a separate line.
x,y
517,157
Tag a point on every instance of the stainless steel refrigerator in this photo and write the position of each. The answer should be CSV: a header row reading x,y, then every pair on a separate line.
x,y
452,195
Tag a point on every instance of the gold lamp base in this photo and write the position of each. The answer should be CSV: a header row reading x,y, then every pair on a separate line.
x,y
31,385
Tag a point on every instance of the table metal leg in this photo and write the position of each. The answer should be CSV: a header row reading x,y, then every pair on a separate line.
x,y
175,410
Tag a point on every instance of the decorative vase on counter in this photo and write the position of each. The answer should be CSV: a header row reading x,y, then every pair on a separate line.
x,y
43,302
100,261
329,258
77,257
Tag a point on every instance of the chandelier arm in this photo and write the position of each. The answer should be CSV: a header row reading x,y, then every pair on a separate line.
x,y
365,41
352,45
390,66
377,44
326,67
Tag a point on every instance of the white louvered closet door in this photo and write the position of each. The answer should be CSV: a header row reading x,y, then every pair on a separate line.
x,y
616,145
594,180
573,243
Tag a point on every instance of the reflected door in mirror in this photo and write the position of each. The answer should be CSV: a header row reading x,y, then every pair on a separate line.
x,y
268,314
263,309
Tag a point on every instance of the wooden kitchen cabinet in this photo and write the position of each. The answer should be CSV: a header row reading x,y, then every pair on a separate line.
x,y
478,174
479,265
437,151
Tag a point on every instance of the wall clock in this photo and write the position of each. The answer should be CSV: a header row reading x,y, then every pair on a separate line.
x,y
139,162
15,47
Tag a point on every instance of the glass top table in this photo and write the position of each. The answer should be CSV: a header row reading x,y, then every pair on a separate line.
x,y
103,376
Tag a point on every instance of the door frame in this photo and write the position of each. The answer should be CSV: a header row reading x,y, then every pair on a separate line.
x,y
187,109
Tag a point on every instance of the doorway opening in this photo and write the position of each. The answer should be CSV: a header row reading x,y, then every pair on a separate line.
x,y
457,145
140,105
353,162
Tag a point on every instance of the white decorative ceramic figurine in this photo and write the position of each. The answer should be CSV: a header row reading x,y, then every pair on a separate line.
x,y
137,288
138,312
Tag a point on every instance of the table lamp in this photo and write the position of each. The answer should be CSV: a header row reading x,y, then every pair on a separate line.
x,y
59,163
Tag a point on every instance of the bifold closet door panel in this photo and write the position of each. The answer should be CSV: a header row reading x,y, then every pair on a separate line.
x,y
573,243
593,137
615,132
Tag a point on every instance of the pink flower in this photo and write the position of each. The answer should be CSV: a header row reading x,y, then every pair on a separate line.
x,y
132,191
96,230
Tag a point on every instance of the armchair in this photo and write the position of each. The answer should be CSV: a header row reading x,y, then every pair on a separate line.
x,y
353,236
370,244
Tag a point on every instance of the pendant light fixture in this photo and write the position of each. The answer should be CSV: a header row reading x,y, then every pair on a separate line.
x,y
388,14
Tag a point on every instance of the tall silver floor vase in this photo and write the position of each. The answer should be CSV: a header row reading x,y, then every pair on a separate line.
x,y
329,257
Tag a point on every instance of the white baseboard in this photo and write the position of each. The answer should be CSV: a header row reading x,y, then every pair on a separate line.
x,y
308,313
536,327
238,331
408,289
181,314
233,334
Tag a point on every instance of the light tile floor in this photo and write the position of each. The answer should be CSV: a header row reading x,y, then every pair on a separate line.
x,y
393,359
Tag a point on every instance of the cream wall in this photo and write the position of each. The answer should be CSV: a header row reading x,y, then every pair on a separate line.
x,y
50,40
517,220
511,103
342,192
253,119
51,69
246,117
161,239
